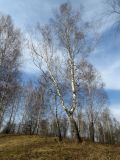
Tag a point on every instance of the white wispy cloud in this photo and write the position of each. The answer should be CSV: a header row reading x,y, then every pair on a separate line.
x,y
111,75
115,110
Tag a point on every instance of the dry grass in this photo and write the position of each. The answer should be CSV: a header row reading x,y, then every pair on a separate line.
x,y
38,148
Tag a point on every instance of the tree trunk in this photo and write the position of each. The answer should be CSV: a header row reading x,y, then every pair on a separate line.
x,y
59,131
101,134
75,129
92,134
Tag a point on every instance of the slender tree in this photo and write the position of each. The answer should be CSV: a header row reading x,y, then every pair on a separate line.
x,y
10,52
96,97
59,45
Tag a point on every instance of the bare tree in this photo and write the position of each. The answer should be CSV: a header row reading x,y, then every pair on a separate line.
x,y
96,97
108,128
10,51
113,10
114,6
11,112
59,45
34,108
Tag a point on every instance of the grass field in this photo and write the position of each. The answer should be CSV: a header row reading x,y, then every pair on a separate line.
x,y
38,148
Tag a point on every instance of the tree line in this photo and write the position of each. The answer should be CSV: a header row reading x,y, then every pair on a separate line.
x,y
69,99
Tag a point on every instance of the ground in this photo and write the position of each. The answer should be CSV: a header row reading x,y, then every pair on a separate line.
x,y
39,148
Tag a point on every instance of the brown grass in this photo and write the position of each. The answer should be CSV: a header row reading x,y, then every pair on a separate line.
x,y
38,148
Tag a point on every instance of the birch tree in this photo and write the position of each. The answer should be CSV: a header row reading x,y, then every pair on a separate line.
x,y
96,97
58,48
10,52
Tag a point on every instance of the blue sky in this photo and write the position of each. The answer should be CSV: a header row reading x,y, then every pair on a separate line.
x,y
105,57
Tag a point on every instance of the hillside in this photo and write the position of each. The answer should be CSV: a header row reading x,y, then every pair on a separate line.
x,y
38,148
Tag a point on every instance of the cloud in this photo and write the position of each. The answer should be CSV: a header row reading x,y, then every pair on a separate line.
x,y
106,58
111,76
115,110
27,65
